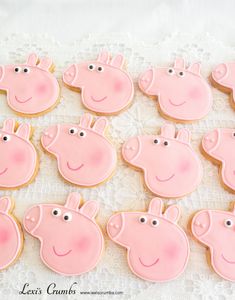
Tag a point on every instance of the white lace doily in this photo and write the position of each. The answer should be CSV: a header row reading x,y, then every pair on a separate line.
x,y
125,190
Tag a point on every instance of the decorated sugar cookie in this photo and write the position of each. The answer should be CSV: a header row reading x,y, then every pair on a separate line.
x,y
183,94
106,88
71,241
157,248
215,230
85,156
18,157
219,144
170,165
11,237
223,77
30,87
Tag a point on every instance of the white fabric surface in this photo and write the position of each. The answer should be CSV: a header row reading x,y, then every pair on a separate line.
x,y
147,33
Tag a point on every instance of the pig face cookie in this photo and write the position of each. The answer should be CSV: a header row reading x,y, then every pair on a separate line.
x,y
170,165
157,248
11,238
219,144
105,87
183,94
85,156
71,241
18,159
215,229
30,87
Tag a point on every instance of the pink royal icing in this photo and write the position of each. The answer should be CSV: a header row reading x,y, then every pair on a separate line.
x,y
170,165
183,94
85,156
220,145
71,241
11,240
105,87
157,248
215,229
18,159
31,88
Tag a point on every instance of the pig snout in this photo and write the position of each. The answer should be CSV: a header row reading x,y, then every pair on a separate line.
x,y
146,79
31,218
130,149
49,136
201,223
210,140
219,72
70,74
114,225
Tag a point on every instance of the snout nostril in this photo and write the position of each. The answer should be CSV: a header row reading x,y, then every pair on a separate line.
x,y
202,225
27,218
32,219
116,226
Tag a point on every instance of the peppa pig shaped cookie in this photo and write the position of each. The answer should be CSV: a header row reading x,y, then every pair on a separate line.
x,y
84,155
215,230
30,87
106,88
18,157
183,94
157,248
219,145
71,241
11,237
170,165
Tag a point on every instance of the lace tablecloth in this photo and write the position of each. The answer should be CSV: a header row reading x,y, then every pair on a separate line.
x,y
125,190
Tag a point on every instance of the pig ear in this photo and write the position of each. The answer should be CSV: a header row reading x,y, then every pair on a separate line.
x,y
155,206
183,135
117,61
32,59
45,63
5,204
23,131
168,131
195,68
73,201
103,57
90,209
172,213
86,120
100,125
179,63
9,125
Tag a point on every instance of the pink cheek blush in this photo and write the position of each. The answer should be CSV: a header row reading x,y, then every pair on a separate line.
x,y
194,93
41,89
118,86
82,244
4,236
96,158
184,166
171,251
18,157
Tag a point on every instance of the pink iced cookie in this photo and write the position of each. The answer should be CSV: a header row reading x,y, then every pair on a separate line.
x,y
18,159
170,165
31,88
105,86
183,94
71,241
157,248
85,156
11,239
220,145
215,229
224,76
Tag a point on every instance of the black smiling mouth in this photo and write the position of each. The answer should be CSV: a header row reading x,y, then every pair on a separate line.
x,y
149,265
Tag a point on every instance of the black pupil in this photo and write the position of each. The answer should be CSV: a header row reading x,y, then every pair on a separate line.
x,y
91,67
170,71
229,222
55,212
154,222
25,70
66,217
165,143
5,138
16,69
72,130
234,134
100,69
155,141
81,133
142,220
181,73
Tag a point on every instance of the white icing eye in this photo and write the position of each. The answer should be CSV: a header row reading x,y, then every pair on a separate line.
x,y
56,212
17,69
171,71
166,143
6,138
155,222
67,217
82,133
26,70
73,130
156,141
143,219
100,69
228,223
91,67
181,74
